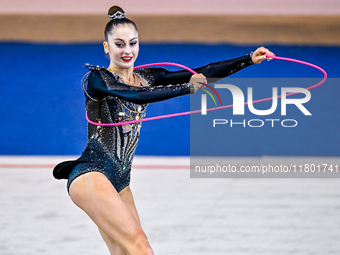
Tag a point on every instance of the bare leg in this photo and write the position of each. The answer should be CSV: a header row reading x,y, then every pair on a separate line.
x,y
127,197
94,194
114,248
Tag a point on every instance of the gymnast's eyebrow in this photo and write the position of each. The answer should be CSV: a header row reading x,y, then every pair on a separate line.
x,y
119,39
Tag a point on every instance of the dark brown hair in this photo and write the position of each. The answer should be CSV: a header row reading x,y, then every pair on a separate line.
x,y
117,21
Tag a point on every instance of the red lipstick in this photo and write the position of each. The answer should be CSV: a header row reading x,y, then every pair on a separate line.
x,y
126,59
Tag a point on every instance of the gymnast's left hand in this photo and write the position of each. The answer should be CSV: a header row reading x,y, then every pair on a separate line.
x,y
259,55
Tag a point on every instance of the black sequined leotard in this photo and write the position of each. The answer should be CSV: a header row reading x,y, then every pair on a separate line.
x,y
110,149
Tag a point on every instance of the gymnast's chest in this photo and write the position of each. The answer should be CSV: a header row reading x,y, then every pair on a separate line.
x,y
123,110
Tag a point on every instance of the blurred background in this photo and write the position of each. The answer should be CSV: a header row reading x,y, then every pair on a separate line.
x,y
43,45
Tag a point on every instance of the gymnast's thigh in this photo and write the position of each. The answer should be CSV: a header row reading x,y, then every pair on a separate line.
x,y
89,167
127,197
94,194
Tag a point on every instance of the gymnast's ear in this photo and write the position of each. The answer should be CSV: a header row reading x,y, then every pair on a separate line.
x,y
106,47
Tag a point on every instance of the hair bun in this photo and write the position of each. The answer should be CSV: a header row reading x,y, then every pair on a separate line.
x,y
115,12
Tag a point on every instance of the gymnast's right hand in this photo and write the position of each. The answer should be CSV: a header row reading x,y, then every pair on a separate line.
x,y
197,79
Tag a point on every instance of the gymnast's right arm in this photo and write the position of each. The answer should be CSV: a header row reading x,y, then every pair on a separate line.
x,y
101,83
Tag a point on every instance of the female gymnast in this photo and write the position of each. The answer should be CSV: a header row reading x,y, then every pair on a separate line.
x,y
98,181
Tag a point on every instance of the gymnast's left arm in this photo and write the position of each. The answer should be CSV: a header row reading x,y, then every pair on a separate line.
x,y
217,70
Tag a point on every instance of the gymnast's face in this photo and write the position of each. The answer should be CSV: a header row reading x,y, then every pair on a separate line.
x,y
122,46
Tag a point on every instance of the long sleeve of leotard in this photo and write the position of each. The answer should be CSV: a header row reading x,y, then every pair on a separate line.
x,y
101,83
217,70
165,84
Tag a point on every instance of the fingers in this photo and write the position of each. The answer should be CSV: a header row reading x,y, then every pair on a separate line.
x,y
259,55
198,75
266,51
198,80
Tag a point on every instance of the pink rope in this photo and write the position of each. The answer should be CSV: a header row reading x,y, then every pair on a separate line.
x,y
166,64
213,108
